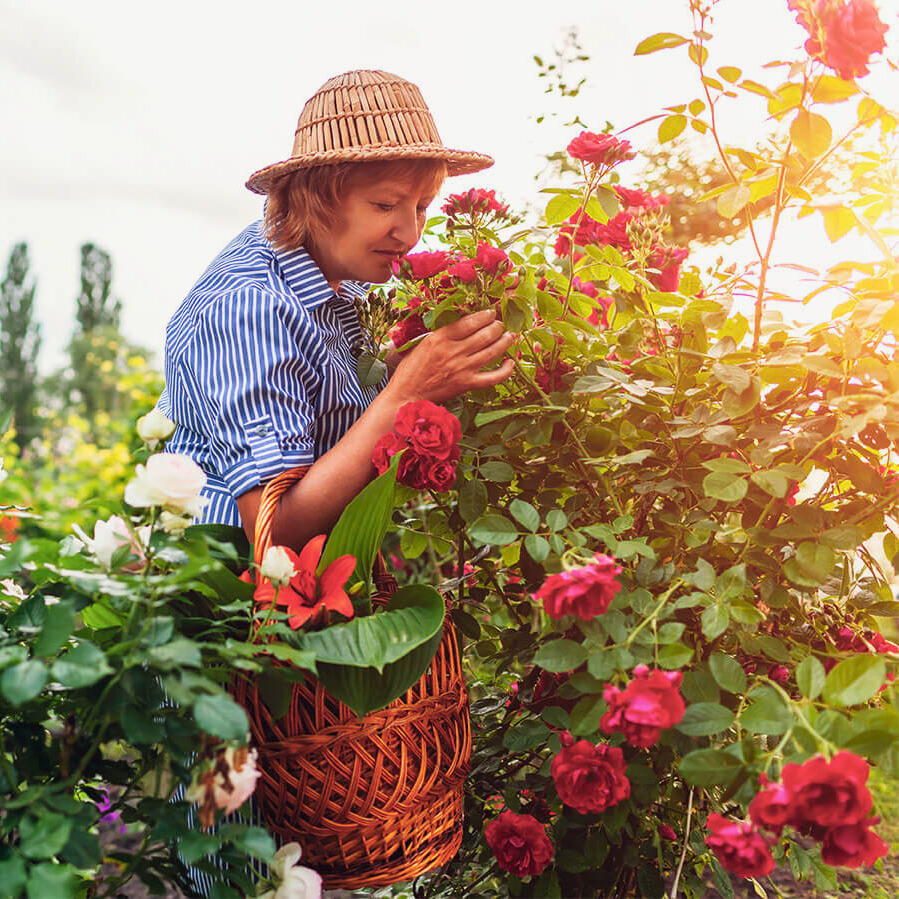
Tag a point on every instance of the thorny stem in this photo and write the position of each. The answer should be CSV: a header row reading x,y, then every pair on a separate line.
x,y
683,854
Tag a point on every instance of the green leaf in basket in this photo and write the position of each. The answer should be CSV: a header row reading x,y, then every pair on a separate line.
x,y
412,616
362,526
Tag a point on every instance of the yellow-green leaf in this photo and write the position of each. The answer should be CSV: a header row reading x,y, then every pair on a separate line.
x,y
662,41
671,126
811,134
733,200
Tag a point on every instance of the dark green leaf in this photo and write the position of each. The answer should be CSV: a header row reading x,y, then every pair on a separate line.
x,y
728,672
56,630
674,655
715,620
524,735
46,880
44,836
493,529
560,655
525,514
709,767
472,500
501,472
220,716
21,683
767,713
584,719
703,719
536,546
181,652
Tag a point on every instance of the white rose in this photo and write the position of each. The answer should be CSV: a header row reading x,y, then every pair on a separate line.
x,y
154,426
8,587
112,534
294,881
277,566
174,524
168,479
242,777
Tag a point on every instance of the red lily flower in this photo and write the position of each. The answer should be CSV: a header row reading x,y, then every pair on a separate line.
x,y
308,597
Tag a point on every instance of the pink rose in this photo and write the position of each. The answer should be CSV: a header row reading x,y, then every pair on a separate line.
x,y
464,270
519,843
740,849
600,150
649,704
590,778
584,592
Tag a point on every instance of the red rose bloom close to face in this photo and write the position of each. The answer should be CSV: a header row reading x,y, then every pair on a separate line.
x,y
649,704
600,150
519,843
408,329
464,270
585,592
421,265
492,259
739,848
853,845
590,778
828,794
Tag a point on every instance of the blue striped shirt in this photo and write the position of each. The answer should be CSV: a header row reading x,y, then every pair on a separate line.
x,y
260,369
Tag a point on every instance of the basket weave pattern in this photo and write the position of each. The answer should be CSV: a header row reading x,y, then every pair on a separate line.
x,y
372,801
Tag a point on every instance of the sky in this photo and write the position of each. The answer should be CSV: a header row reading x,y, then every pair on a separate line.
x,y
136,126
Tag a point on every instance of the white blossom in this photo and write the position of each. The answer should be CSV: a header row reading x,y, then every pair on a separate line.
x,y
277,566
292,881
154,426
172,480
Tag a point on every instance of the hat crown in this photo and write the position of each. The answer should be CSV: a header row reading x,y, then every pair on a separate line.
x,y
364,108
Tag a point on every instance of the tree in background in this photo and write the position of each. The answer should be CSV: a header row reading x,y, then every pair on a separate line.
x,y
20,342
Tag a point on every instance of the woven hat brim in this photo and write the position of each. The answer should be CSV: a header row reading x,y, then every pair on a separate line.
x,y
458,162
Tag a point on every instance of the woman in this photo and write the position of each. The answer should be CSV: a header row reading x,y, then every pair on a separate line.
x,y
260,357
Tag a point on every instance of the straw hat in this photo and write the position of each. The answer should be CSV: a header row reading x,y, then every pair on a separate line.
x,y
365,116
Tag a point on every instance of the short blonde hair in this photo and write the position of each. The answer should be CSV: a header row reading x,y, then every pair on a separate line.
x,y
305,202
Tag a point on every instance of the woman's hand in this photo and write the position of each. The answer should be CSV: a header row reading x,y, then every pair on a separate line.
x,y
448,361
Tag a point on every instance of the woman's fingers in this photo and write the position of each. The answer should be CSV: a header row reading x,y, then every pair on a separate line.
x,y
491,352
468,324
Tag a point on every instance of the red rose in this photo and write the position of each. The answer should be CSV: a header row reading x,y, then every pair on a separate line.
x,y
413,470
601,150
430,429
584,592
772,808
590,778
649,704
548,379
475,200
492,259
464,269
851,33
519,843
408,329
421,265
441,475
614,232
640,199
668,262
739,848
600,314
853,845
385,449
666,832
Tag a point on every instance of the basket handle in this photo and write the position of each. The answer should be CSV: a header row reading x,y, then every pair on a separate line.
x,y
265,519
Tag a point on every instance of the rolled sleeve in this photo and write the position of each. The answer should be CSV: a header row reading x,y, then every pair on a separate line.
x,y
254,385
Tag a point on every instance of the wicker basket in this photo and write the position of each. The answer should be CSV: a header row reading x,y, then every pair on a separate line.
x,y
372,801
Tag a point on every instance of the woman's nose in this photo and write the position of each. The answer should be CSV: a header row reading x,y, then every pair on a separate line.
x,y
406,228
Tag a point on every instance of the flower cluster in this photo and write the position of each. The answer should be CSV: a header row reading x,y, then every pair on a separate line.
x,y
590,778
827,801
428,437
584,592
649,704
474,203
289,580
843,34
519,843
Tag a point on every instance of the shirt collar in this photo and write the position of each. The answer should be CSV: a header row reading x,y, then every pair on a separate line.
x,y
306,280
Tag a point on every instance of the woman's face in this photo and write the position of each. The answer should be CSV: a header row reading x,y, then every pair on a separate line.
x,y
377,223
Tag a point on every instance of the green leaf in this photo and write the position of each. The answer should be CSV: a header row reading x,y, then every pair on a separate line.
x,y
556,519
525,514
13,875
220,716
855,680
725,487
56,630
585,716
810,677
715,620
720,435
727,465
195,844
494,529
412,543
21,683
180,652
703,719
674,655
362,525
728,672
142,726
365,690
767,714
709,767
670,127
815,560
561,207
472,499
537,547
524,735
661,41
44,836
82,849
811,134
369,369
733,200
501,472
256,841
560,655
774,483
47,879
